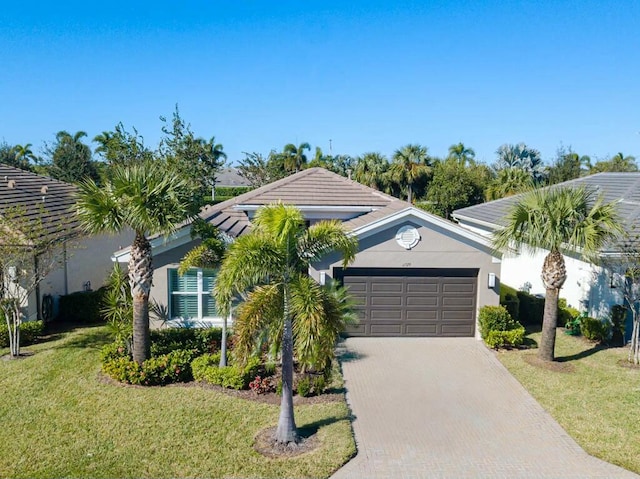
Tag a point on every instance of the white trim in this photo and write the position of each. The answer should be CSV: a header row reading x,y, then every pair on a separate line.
x,y
159,244
467,219
399,216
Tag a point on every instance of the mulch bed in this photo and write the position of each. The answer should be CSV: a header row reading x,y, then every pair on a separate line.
x,y
268,398
266,445
23,354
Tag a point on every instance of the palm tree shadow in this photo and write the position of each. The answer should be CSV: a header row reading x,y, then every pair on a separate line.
x,y
582,354
308,430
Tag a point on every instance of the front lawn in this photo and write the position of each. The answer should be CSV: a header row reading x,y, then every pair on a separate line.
x,y
594,398
59,419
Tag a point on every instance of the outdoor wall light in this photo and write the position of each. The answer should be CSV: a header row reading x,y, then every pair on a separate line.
x,y
491,281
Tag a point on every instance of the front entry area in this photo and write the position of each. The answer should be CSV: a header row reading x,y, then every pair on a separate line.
x,y
412,301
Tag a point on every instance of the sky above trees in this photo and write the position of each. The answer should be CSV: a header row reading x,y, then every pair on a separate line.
x,y
350,77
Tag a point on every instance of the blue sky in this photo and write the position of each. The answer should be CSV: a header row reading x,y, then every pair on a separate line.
x,y
369,76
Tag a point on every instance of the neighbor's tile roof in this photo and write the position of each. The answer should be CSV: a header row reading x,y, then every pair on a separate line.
x,y
310,187
621,187
230,177
39,198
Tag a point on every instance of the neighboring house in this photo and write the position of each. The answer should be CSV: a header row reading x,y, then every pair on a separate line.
x,y
588,287
229,177
415,274
84,262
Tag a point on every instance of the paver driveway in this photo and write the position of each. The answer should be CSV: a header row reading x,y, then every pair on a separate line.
x,y
446,407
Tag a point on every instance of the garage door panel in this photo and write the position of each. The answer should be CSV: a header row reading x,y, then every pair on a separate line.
x,y
386,329
423,301
422,315
385,315
385,301
411,302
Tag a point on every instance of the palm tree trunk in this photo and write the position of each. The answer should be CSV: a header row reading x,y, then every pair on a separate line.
x,y
287,431
223,344
140,278
554,274
549,323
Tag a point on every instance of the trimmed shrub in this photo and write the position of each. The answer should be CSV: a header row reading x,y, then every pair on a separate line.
x,y
618,326
200,340
29,332
304,386
498,339
595,329
155,371
82,307
205,368
498,328
566,313
523,307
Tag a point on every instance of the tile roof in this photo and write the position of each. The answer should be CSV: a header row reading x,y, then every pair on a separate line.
x,y
311,187
230,177
622,187
39,197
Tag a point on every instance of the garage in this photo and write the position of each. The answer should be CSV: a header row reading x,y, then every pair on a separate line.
x,y
412,301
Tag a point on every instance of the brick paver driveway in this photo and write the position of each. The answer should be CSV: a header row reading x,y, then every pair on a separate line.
x,y
446,407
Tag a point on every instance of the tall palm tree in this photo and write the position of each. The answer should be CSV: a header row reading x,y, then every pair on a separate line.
x,y
277,254
24,154
559,220
410,164
149,200
370,170
461,153
294,157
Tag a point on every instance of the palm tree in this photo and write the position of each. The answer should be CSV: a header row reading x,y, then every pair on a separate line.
x,y
410,164
295,159
24,154
370,170
148,199
522,157
509,182
461,153
559,220
276,254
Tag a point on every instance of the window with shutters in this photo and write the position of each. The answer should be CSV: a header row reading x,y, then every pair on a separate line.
x,y
190,294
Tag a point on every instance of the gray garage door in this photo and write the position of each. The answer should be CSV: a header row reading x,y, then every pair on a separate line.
x,y
412,302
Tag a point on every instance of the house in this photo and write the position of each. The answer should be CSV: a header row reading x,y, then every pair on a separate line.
x,y
589,287
415,274
83,262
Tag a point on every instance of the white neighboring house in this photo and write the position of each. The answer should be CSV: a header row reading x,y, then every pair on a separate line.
x,y
84,262
588,287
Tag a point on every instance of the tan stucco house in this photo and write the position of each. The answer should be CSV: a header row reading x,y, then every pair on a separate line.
x,y
415,274
83,262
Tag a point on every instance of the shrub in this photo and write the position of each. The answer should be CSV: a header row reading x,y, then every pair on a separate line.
x,y
618,326
82,307
566,313
499,339
530,309
200,340
155,371
595,329
205,368
29,332
498,328
262,385
319,384
304,386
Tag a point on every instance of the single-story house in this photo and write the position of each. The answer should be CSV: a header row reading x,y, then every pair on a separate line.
x,y
415,274
589,287
83,262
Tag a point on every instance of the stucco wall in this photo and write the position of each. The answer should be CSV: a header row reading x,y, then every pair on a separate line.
x,y
437,248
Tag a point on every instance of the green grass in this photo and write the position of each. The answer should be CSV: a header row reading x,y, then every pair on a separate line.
x,y
598,403
57,419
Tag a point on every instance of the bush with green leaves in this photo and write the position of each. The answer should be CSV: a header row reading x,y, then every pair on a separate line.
x,y
156,371
206,369
82,307
29,332
200,340
566,313
498,328
595,329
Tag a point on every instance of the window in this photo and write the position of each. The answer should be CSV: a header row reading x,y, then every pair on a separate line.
x,y
190,294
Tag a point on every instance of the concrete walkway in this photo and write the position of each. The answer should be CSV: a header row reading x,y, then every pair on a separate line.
x,y
447,408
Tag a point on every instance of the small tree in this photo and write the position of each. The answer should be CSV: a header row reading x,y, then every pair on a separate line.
x,y
625,271
29,251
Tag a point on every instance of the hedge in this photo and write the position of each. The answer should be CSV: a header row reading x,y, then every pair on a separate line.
x,y
29,332
82,307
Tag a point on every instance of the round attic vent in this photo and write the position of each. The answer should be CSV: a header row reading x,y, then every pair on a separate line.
x,y
407,237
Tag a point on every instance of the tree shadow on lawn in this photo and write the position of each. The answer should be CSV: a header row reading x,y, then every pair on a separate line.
x,y
93,338
308,430
582,354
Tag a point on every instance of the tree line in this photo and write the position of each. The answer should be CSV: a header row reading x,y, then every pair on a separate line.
x,y
438,185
